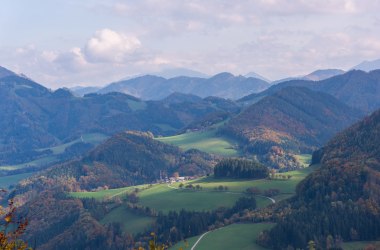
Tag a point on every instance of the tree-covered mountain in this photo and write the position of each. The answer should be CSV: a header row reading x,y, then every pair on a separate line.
x,y
33,117
355,88
341,200
224,85
128,158
294,119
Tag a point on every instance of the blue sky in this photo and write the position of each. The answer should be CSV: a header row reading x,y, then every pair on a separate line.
x,y
68,43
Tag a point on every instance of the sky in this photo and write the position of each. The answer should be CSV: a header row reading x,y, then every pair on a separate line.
x,y
92,42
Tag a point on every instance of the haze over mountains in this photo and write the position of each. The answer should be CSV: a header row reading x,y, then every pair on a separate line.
x,y
356,88
273,124
224,85
33,117
368,65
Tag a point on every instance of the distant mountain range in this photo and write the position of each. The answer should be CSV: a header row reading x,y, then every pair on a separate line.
x,y
340,201
176,72
368,65
152,87
34,118
356,88
317,75
294,119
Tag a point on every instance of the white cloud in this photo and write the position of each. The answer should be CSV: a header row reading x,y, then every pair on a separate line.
x,y
110,46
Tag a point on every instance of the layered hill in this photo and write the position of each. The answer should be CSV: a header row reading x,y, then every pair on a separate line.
x,y
294,119
341,200
128,158
355,88
223,85
35,118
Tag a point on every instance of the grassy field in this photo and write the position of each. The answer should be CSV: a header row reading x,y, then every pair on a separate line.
x,y
305,159
131,223
207,141
359,245
163,198
236,236
236,185
7,181
106,194
94,138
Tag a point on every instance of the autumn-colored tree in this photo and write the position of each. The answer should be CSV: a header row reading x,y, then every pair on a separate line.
x,y
11,229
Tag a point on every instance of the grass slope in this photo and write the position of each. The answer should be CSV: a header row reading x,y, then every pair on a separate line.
x,y
207,141
94,138
236,236
105,194
162,198
131,223
359,245
7,181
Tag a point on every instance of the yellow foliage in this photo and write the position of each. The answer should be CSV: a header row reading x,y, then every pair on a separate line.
x,y
10,231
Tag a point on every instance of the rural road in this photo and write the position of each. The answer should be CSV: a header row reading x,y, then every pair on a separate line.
x,y
196,243
269,198
200,238
170,186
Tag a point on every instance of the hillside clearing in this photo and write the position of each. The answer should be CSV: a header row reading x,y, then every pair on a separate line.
x,y
207,141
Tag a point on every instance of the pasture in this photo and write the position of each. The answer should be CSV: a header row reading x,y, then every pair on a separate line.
x,y
235,236
207,141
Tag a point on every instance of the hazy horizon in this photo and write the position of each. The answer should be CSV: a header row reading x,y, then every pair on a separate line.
x,y
92,43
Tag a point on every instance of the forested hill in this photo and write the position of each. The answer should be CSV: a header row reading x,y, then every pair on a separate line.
x,y
341,200
127,158
355,88
294,119
34,117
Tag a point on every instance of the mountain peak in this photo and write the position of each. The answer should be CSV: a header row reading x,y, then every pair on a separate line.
x,y
223,75
255,75
6,72
322,74
368,65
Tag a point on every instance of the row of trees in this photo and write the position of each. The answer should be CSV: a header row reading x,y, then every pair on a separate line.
x,y
176,226
240,168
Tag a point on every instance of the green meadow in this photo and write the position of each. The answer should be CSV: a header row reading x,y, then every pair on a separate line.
x,y
359,245
131,222
7,181
106,194
235,236
207,141
162,198
94,138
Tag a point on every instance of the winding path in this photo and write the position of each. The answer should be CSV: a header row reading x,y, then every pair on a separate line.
x,y
199,239
269,198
